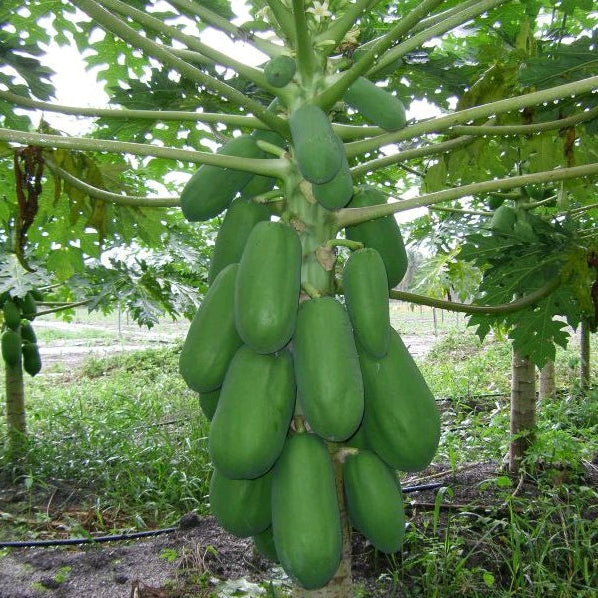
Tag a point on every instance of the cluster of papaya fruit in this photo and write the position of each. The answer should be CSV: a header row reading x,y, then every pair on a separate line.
x,y
302,388
19,341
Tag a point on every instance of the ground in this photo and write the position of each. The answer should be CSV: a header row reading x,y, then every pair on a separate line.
x,y
196,558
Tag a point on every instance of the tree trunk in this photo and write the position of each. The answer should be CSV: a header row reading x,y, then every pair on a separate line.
x,y
523,408
584,356
341,585
547,381
16,428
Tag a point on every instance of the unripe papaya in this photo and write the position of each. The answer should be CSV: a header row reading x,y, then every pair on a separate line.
x,y
336,193
317,151
253,415
27,333
12,314
29,307
382,234
329,384
305,514
32,361
258,183
208,401
11,347
365,286
264,544
374,500
242,507
212,339
238,222
280,70
211,189
503,220
268,286
376,104
401,420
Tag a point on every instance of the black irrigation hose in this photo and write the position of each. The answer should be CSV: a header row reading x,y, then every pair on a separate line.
x,y
135,535
89,540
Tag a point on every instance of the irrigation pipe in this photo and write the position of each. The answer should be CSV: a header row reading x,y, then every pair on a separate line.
x,y
145,534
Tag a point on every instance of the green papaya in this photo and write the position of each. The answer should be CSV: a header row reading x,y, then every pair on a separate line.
x,y
317,150
238,222
268,286
280,70
12,314
212,339
264,544
32,361
329,384
37,294
305,513
376,104
241,507
29,307
401,420
503,220
253,414
11,347
211,189
382,234
27,333
374,500
208,401
365,286
337,192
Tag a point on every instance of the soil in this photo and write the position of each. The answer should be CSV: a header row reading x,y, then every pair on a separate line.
x,y
194,559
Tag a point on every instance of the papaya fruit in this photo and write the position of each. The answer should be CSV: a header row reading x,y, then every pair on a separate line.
x,y
305,513
208,401
376,104
365,286
401,420
212,338
382,234
495,201
211,189
11,347
268,286
280,70
241,507
337,192
374,500
12,314
32,361
27,333
329,384
316,146
29,307
253,414
264,544
503,220
240,218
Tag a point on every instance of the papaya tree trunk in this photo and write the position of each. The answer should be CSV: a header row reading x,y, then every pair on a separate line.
x,y
547,388
584,356
341,585
16,426
523,408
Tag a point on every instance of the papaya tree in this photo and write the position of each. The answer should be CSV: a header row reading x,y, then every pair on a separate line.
x,y
315,401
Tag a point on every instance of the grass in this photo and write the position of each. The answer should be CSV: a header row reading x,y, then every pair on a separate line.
x,y
121,443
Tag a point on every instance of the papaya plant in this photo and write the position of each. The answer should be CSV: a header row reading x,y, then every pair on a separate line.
x,y
314,399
